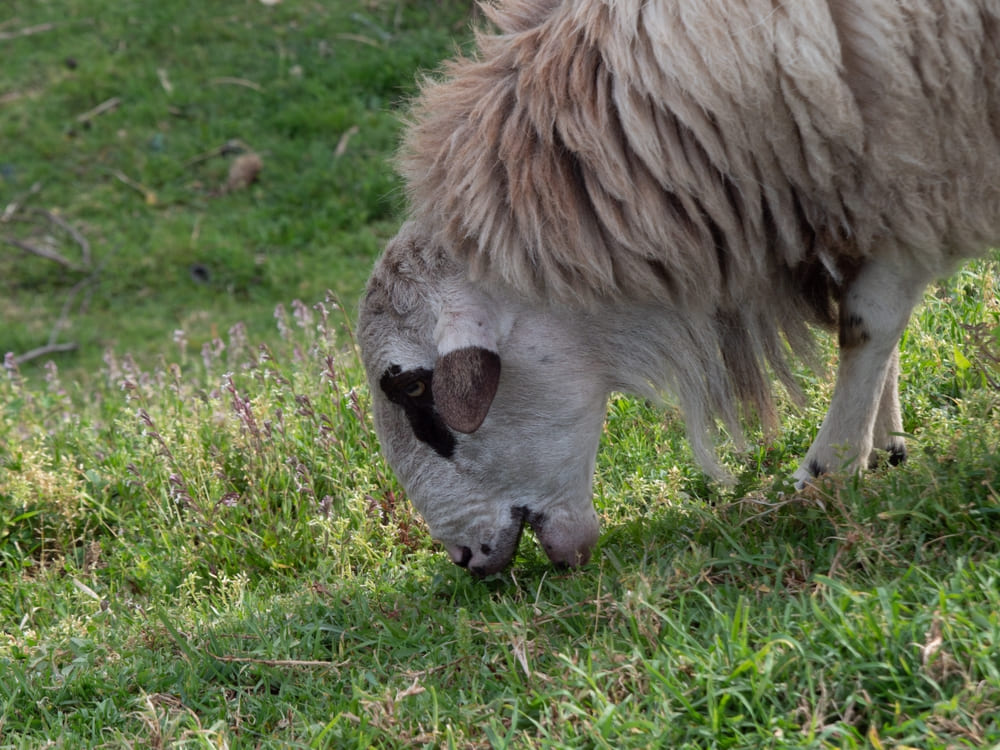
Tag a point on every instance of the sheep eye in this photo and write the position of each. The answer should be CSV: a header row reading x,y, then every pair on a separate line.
x,y
416,389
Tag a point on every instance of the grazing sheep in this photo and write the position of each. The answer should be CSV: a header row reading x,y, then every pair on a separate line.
x,y
664,195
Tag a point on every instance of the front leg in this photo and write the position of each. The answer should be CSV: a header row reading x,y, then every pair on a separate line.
x,y
874,310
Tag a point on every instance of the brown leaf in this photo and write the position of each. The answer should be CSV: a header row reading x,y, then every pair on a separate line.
x,y
414,689
344,140
243,172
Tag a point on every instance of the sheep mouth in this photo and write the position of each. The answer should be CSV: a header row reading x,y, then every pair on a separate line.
x,y
564,551
490,559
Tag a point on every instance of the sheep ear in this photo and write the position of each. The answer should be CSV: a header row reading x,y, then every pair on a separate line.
x,y
464,384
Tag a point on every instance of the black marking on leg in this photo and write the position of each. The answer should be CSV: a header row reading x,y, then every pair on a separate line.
x,y
894,455
815,468
852,330
897,454
412,390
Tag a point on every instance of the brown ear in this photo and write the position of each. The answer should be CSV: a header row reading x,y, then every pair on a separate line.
x,y
464,384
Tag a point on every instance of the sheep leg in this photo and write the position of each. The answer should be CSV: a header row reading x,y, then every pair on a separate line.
x,y
874,311
889,420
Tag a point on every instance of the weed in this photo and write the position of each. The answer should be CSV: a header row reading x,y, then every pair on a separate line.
x,y
200,545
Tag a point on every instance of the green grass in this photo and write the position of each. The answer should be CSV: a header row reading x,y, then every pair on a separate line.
x,y
212,553
313,88
200,545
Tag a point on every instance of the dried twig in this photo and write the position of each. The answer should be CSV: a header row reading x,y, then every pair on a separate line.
x,y
41,351
232,146
27,31
277,662
40,28
344,139
71,231
43,252
70,296
224,80
161,73
148,194
53,347
14,206
360,39
106,106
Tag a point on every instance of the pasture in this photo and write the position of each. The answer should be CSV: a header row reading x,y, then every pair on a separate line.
x,y
200,545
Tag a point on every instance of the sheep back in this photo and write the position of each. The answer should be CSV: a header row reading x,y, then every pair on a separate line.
x,y
710,151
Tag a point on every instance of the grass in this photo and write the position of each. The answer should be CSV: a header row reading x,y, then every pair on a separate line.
x,y
312,88
201,546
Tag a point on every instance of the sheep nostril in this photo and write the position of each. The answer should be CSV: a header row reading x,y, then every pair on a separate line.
x,y
461,556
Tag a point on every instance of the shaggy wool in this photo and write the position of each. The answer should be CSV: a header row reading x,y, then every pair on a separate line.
x,y
737,159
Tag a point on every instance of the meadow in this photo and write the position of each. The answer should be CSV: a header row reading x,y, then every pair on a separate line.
x,y
201,546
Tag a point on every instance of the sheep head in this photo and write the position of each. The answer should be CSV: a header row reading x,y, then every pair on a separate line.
x,y
486,409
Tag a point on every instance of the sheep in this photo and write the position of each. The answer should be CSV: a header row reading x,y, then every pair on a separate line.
x,y
667,196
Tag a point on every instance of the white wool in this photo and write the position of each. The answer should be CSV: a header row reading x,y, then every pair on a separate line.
x,y
716,156
664,195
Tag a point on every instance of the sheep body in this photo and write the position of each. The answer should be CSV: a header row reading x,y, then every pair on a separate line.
x,y
735,171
